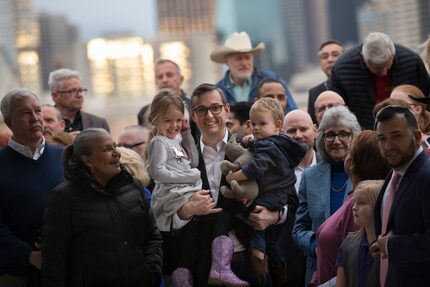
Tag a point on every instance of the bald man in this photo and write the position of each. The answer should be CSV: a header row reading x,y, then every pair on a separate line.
x,y
326,100
298,125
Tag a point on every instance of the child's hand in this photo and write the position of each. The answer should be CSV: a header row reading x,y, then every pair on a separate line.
x,y
245,201
247,139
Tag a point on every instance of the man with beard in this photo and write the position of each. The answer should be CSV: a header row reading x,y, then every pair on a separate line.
x,y
53,127
402,216
241,80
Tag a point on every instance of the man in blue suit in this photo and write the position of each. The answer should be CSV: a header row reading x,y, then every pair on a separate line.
x,y
404,226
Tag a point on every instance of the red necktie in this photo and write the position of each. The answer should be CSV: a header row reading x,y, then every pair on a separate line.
x,y
387,208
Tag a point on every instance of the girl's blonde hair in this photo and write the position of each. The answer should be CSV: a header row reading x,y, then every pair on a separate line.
x,y
133,163
371,189
163,100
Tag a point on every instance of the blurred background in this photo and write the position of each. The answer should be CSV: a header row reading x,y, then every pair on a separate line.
x,y
114,44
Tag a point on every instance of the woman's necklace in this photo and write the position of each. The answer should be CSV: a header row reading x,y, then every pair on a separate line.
x,y
341,188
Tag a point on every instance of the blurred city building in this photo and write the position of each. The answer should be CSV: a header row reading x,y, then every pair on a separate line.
x,y
406,21
185,16
27,41
9,72
58,46
264,22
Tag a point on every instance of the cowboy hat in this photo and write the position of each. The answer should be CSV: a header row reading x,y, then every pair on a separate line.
x,y
236,43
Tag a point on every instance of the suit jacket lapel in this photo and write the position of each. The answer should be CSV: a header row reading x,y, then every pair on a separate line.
x,y
403,187
323,179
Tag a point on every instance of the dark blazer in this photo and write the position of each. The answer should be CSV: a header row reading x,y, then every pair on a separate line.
x,y
409,247
313,95
93,121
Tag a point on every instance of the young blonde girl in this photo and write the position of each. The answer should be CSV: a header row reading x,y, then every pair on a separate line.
x,y
173,158
355,266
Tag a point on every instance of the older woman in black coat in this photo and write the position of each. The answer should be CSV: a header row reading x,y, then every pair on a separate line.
x,y
98,229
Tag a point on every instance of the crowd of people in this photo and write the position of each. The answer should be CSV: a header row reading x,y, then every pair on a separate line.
x,y
230,186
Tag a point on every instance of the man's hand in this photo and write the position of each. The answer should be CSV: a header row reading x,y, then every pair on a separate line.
x,y
35,259
200,203
261,217
374,250
382,244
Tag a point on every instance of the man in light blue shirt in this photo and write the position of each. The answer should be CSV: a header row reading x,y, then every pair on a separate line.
x,y
241,80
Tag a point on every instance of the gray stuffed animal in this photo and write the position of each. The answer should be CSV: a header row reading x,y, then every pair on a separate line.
x,y
244,191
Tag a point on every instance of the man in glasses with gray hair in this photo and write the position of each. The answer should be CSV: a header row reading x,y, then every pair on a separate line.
x,y
68,96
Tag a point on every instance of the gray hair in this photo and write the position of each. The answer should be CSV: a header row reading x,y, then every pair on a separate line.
x,y
57,112
336,116
82,145
139,128
377,48
14,94
164,61
57,76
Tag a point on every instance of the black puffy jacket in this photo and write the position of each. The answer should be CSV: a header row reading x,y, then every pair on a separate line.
x,y
350,77
100,237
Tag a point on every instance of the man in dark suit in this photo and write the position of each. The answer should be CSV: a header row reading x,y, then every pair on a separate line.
x,y
402,214
68,96
327,55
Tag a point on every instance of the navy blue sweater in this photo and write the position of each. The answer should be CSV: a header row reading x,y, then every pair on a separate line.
x,y
24,187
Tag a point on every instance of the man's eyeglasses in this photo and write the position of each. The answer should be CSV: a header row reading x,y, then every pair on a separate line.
x,y
203,111
324,108
343,136
131,146
74,92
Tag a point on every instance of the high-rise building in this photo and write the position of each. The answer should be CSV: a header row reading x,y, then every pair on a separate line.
x,y
406,21
9,73
59,41
411,21
186,16
27,40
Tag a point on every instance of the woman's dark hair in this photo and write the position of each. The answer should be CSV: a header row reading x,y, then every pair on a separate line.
x,y
82,145
366,159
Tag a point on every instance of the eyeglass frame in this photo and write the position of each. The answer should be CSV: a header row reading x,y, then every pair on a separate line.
x,y
206,109
131,146
74,92
347,135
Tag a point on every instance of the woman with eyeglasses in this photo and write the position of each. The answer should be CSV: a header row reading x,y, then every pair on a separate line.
x,y
325,186
363,162
98,227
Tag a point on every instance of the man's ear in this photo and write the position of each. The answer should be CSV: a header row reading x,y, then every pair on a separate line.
x,y
247,126
418,134
278,125
55,96
8,122
62,124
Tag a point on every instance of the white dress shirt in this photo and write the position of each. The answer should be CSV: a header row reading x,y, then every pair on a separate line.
x,y
26,151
